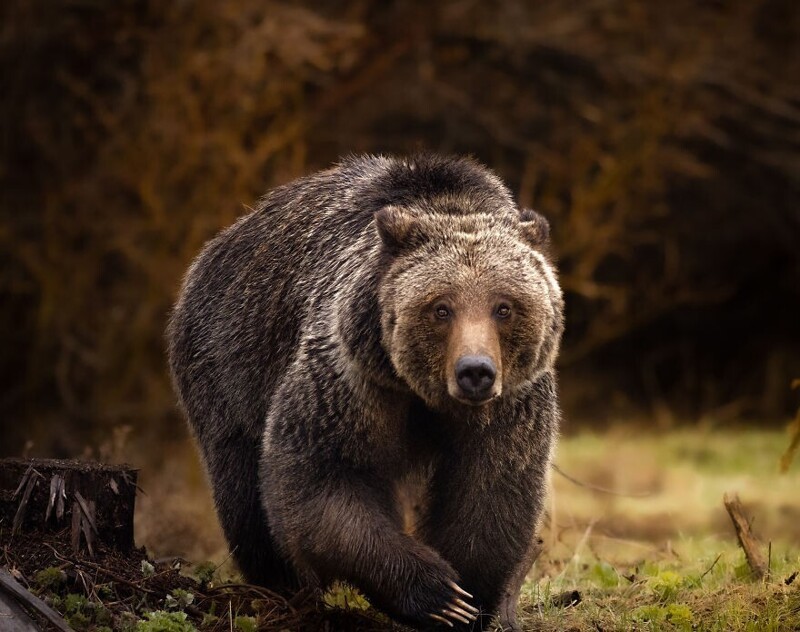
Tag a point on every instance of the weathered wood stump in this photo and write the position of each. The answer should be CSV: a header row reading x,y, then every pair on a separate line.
x,y
95,501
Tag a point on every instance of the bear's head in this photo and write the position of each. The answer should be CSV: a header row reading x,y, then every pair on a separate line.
x,y
471,309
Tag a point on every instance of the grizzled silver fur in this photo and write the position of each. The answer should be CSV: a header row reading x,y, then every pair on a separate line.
x,y
312,348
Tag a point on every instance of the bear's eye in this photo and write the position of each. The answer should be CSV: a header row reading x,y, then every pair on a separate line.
x,y
503,310
442,312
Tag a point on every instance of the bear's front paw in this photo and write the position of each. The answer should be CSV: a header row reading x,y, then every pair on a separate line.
x,y
434,598
456,609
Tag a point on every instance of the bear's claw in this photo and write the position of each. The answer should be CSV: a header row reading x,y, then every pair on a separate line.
x,y
463,604
440,619
461,611
455,616
459,589
456,610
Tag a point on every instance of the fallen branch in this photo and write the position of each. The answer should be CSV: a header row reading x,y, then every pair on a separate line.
x,y
748,542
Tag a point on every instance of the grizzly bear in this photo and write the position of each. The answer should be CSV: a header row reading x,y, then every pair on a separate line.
x,y
383,326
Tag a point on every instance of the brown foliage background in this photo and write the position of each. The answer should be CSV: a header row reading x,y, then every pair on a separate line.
x,y
661,139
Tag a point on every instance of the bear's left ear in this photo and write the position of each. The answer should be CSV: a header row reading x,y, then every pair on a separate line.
x,y
398,229
534,227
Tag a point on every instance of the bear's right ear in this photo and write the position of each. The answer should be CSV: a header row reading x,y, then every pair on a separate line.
x,y
398,229
535,228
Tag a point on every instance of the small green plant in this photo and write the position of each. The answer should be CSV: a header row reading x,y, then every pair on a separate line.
x,y
148,570
345,597
650,614
665,585
163,621
204,572
74,603
179,599
678,614
245,624
82,613
78,621
49,579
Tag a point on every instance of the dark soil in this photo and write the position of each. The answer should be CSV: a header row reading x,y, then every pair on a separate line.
x,y
119,591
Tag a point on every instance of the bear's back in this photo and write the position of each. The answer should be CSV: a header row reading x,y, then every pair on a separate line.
x,y
251,291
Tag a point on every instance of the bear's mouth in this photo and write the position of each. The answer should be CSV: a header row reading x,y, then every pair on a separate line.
x,y
475,401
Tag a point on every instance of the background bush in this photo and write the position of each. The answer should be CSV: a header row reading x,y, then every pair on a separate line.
x,y
661,139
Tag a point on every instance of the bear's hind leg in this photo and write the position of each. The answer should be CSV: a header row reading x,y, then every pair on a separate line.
x,y
233,468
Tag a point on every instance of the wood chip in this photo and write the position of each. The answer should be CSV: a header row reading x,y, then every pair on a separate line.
x,y
87,523
19,517
56,497
75,533
22,481
87,508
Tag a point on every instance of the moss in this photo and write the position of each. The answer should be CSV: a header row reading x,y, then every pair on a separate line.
x,y
78,621
162,621
49,579
345,597
245,624
74,603
204,572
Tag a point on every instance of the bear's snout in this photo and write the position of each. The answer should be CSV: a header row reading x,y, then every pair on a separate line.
x,y
475,376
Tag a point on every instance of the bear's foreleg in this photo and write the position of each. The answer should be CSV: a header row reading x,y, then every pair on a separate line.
x,y
330,501
346,528
484,505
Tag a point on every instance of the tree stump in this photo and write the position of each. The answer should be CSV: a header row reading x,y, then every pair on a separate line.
x,y
95,501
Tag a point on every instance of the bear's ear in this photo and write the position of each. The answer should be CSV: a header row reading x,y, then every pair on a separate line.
x,y
535,228
398,229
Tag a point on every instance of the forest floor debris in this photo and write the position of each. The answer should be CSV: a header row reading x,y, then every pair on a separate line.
x,y
132,593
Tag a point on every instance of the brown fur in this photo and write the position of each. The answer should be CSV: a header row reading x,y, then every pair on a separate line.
x,y
318,382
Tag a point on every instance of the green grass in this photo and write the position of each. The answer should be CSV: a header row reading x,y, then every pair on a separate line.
x,y
705,586
667,560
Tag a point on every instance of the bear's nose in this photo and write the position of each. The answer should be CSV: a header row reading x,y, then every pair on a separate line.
x,y
475,375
